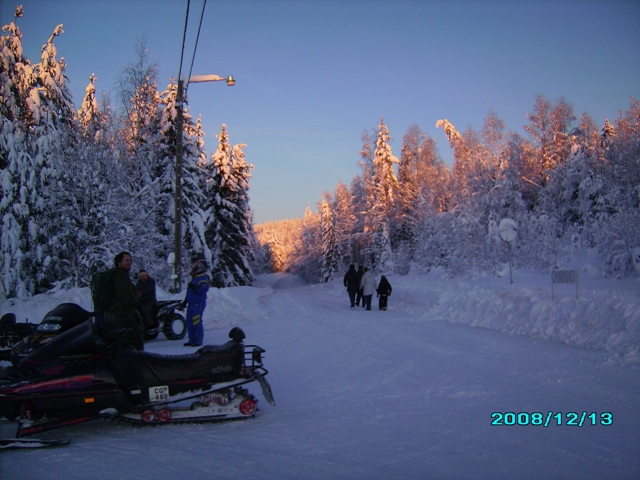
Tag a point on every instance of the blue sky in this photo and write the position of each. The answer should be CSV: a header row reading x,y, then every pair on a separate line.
x,y
313,75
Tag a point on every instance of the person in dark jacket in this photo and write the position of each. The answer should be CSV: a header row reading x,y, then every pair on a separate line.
x,y
146,290
352,283
359,293
121,313
383,290
196,301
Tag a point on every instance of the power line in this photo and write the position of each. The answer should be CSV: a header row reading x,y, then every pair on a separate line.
x,y
184,36
197,38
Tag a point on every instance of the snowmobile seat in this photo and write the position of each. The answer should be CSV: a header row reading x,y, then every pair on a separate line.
x,y
217,363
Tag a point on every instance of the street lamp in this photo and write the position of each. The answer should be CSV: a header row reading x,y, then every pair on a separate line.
x,y
178,201
211,78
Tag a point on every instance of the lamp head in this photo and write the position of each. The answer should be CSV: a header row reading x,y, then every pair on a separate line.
x,y
230,81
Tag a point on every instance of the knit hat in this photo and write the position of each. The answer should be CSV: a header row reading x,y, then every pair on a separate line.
x,y
143,273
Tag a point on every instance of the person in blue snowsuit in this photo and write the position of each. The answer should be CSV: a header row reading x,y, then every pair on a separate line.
x,y
196,301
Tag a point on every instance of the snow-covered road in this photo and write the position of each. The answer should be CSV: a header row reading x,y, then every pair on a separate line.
x,y
377,395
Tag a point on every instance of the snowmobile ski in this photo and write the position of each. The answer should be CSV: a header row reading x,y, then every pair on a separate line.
x,y
266,391
20,443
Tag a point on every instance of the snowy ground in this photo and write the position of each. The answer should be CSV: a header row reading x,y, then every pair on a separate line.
x,y
406,393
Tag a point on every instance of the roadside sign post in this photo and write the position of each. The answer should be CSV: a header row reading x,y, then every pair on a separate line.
x,y
564,276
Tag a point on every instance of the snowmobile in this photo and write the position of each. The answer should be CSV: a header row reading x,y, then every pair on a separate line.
x,y
80,376
62,318
19,339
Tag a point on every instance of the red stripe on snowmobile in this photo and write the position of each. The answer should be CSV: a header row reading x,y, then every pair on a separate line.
x,y
50,425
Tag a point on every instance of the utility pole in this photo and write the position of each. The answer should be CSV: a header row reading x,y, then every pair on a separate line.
x,y
177,260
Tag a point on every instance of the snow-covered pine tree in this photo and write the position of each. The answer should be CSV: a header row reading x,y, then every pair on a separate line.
x,y
330,252
345,222
218,173
621,178
228,217
361,233
385,185
419,197
164,173
91,184
89,114
194,186
37,117
63,142
404,223
16,79
366,201
244,215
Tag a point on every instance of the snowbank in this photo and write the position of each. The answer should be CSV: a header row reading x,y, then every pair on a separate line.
x,y
605,316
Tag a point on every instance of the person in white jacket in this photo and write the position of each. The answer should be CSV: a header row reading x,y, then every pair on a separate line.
x,y
368,285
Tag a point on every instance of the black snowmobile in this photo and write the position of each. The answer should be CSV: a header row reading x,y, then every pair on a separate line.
x,y
20,339
79,376
62,318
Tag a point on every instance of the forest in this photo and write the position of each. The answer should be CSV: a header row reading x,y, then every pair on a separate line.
x,y
79,185
569,186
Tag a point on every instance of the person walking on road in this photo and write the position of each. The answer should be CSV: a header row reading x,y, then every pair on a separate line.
x,y
368,285
383,290
352,284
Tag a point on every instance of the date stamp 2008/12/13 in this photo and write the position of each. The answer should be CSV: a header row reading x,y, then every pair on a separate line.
x,y
570,419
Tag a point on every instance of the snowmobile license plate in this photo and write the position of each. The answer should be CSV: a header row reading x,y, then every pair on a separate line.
x,y
158,394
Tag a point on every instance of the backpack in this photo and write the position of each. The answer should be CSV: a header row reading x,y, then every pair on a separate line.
x,y
102,288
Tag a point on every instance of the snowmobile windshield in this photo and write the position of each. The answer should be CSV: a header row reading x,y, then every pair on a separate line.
x,y
64,317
